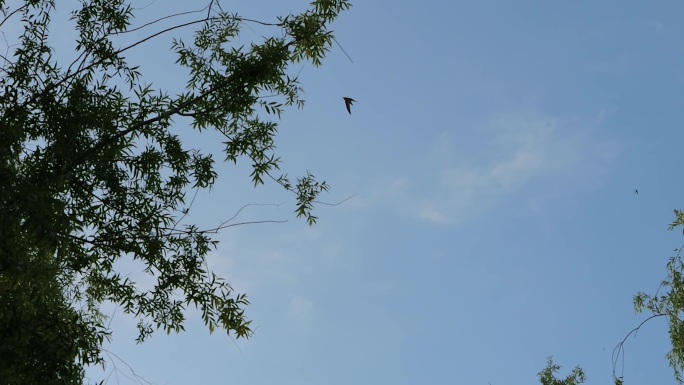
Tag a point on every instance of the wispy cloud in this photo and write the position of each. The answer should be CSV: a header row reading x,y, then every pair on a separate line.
x,y
300,314
655,25
260,262
467,173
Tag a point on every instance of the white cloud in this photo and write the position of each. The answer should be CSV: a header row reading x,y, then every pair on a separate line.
x,y
471,171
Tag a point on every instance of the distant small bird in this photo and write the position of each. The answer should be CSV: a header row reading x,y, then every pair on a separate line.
x,y
636,191
348,102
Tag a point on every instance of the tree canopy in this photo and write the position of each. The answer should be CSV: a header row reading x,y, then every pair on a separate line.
x,y
669,303
90,172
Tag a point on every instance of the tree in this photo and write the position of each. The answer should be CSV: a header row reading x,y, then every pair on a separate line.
x,y
547,376
669,304
91,173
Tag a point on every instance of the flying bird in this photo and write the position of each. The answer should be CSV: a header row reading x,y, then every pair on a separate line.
x,y
636,191
348,102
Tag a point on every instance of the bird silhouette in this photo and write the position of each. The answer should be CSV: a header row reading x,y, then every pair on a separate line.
x,y
348,102
636,191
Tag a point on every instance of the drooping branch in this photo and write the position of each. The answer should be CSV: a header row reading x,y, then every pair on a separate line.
x,y
619,350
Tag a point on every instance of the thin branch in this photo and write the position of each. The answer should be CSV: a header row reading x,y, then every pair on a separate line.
x,y
208,8
164,18
186,210
248,205
336,204
171,232
259,22
151,2
619,350
136,376
225,226
12,14
111,318
157,34
340,45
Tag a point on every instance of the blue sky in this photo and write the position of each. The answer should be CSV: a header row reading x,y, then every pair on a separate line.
x,y
492,156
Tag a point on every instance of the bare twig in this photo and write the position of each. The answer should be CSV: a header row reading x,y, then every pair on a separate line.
x,y
164,18
619,350
136,377
336,204
345,52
